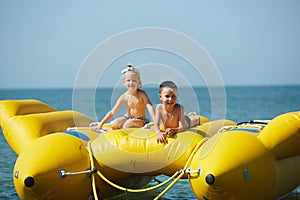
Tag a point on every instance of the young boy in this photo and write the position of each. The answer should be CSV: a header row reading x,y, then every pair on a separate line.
x,y
135,100
169,113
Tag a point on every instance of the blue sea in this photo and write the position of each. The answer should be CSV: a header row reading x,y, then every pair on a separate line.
x,y
238,104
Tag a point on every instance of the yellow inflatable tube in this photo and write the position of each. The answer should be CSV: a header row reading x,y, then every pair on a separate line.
x,y
37,171
9,108
250,161
27,120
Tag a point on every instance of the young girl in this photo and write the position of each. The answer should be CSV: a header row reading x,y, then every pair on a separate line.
x,y
135,100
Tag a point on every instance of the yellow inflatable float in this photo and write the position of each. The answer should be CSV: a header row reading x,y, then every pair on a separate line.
x,y
250,161
221,159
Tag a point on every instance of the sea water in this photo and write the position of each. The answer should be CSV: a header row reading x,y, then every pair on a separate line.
x,y
238,104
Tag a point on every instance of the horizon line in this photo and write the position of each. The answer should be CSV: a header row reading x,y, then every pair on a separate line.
x,y
150,87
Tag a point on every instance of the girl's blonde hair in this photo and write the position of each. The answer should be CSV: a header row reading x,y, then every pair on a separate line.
x,y
131,68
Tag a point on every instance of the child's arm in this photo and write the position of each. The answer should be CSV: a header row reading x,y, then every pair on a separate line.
x,y
149,106
111,113
160,135
151,111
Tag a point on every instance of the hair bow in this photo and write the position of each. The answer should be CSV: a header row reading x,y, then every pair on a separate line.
x,y
129,68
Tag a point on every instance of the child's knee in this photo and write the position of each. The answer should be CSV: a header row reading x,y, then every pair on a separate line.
x,y
115,125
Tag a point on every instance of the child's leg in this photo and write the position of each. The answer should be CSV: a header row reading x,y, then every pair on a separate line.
x,y
195,121
118,122
192,119
133,123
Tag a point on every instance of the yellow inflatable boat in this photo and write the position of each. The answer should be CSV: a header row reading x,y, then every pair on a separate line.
x,y
221,159
255,160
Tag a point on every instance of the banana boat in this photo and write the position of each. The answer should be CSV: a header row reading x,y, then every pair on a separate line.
x,y
221,159
255,160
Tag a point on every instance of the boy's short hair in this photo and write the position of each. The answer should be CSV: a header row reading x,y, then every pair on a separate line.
x,y
169,84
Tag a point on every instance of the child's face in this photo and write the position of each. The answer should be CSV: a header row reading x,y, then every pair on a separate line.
x,y
168,96
131,81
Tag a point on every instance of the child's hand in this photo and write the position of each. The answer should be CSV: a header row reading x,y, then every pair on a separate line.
x,y
170,132
96,128
161,138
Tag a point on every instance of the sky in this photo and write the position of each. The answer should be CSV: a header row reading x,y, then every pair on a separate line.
x,y
51,43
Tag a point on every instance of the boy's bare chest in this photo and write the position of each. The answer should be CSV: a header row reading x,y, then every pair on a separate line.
x,y
169,117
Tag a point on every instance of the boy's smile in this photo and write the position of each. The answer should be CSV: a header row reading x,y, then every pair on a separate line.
x,y
168,96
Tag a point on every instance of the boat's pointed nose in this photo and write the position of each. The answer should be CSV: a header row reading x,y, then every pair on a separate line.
x,y
232,164
37,169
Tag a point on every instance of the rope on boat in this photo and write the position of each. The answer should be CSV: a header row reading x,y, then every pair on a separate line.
x,y
101,130
182,172
136,190
237,127
91,125
120,187
177,175
92,175
75,128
